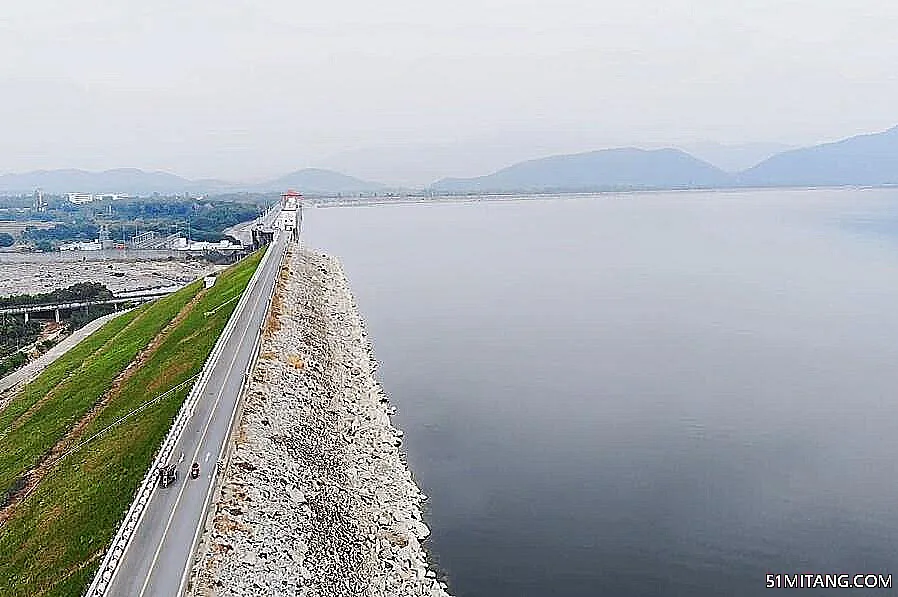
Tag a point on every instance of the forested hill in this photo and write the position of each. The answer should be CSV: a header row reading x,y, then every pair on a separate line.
x,y
861,160
608,169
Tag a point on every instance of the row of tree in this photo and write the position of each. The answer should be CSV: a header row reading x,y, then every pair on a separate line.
x,y
203,219
81,292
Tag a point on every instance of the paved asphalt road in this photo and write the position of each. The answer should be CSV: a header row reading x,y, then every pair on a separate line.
x,y
156,560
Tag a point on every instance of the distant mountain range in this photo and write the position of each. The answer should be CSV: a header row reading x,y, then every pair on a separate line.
x,y
861,160
139,182
734,158
122,180
606,169
316,181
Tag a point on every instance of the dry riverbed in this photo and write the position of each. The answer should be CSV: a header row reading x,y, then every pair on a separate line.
x,y
317,499
33,278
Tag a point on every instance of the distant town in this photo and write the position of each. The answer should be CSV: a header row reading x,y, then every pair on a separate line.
x,y
79,221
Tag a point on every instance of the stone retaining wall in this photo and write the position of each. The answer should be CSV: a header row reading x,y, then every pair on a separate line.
x,y
317,499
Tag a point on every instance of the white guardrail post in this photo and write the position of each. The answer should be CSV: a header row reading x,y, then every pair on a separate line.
x,y
109,566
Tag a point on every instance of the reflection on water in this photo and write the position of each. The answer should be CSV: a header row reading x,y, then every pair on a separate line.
x,y
649,394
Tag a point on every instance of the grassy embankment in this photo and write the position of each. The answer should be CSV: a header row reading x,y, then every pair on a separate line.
x,y
53,541
43,415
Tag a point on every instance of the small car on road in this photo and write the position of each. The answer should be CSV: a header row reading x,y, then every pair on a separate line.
x,y
168,474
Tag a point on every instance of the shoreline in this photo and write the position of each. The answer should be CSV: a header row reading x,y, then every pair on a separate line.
x,y
317,497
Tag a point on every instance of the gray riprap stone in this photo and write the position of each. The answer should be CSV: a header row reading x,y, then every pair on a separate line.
x,y
317,499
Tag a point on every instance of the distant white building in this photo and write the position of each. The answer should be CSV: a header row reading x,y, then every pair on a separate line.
x,y
82,198
79,198
291,201
93,245
181,244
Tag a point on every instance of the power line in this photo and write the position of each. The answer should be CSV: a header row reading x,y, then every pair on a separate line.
x,y
106,429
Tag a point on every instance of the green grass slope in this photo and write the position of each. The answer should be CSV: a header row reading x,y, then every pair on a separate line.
x,y
61,368
54,540
30,436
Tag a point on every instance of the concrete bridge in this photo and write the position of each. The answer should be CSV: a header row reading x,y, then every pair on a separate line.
x,y
133,296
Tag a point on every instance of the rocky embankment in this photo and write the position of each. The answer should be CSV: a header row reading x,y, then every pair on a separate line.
x,y
317,499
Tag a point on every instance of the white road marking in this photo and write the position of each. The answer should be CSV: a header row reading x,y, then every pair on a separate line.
x,y
208,454
171,517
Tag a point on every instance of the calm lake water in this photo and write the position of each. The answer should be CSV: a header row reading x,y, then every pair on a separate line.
x,y
640,394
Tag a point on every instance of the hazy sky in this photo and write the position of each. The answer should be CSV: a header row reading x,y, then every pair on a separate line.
x,y
241,90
